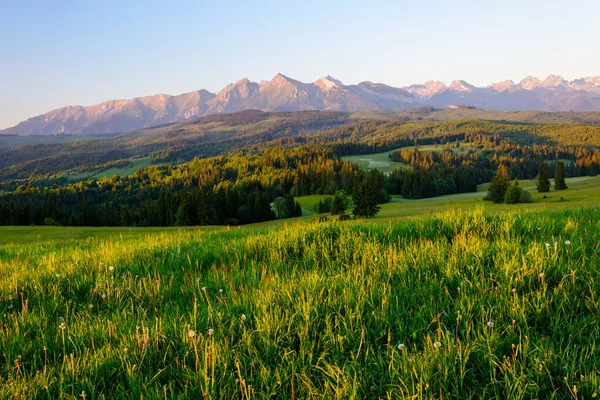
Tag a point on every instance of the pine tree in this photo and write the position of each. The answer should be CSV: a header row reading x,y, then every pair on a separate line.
x,y
559,176
499,184
365,200
543,183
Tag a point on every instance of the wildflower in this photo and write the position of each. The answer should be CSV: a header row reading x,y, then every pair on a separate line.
x,y
401,346
490,324
243,317
437,345
542,275
111,268
191,333
568,242
62,326
210,332
221,291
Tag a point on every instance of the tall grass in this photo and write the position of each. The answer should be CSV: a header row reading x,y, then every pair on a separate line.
x,y
459,305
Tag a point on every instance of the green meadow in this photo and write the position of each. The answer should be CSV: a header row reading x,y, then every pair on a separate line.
x,y
382,161
473,300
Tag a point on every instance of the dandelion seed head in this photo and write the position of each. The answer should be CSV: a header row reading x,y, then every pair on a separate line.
x,y
111,268
220,290
437,345
542,275
210,332
243,317
401,346
568,242
490,324
191,333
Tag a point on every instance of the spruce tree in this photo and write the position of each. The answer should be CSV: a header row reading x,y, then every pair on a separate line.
x,y
559,176
499,184
365,200
543,183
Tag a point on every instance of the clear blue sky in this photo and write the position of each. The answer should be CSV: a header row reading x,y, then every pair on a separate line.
x,y
57,53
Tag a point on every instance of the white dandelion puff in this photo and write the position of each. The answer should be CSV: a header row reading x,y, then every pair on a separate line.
x,y
401,346
490,324
211,332
437,345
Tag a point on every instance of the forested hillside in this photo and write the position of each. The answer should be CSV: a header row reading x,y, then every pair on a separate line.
x,y
229,169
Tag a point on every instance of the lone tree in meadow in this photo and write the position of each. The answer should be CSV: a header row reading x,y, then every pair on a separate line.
x,y
499,184
543,183
559,176
365,199
339,204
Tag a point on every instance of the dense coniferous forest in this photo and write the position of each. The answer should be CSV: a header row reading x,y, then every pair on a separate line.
x,y
231,189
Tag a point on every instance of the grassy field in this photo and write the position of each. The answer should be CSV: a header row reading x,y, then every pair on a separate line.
x,y
309,203
454,305
382,162
134,165
450,297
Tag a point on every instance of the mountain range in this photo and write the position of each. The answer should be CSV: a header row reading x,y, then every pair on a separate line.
x,y
286,94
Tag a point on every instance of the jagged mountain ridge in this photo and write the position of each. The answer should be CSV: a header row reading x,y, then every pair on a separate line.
x,y
286,94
